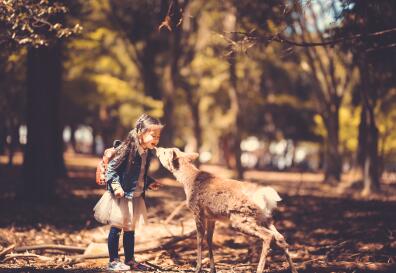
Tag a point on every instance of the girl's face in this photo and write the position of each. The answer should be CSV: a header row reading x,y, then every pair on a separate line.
x,y
150,138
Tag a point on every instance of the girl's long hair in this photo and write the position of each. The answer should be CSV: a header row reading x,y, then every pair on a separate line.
x,y
127,150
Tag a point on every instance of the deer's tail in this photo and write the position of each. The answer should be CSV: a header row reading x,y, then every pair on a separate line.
x,y
266,198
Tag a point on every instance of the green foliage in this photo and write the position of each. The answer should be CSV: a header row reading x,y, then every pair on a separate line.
x,y
386,113
33,22
108,70
349,124
12,94
102,75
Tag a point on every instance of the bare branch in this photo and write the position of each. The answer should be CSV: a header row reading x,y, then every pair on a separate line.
x,y
173,18
326,42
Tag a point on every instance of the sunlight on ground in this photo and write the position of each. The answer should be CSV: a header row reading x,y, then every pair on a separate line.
x,y
313,217
296,183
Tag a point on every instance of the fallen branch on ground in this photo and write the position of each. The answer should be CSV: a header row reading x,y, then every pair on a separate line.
x,y
334,266
50,246
80,258
141,249
7,250
340,266
154,266
26,256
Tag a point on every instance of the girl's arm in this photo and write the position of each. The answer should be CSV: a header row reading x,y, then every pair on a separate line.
x,y
112,176
152,184
150,180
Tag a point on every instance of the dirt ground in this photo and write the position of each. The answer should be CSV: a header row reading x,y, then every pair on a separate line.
x,y
329,229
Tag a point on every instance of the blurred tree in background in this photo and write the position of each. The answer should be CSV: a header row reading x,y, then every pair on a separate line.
x,y
375,59
39,25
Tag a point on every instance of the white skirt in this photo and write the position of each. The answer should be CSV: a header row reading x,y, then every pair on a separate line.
x,y
122,212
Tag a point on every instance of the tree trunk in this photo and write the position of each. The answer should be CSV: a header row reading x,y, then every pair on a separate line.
x,y
238,125
44,153
73,141
362,140
192,100
332,158
150,78
106,126
152,89
169,105
370,160
13,145
171,85
59,149
93,147
194,107
168,131
230,25
368,128
3,135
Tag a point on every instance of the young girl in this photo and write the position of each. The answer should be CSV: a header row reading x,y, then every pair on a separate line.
x,y
122,205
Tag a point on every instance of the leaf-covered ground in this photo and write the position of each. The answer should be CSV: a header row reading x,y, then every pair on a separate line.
x,y
325,226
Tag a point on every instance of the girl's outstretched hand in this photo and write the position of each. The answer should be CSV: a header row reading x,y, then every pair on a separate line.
x,y
154,186
119,193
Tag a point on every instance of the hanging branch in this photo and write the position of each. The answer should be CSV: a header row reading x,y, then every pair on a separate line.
x,y
173,18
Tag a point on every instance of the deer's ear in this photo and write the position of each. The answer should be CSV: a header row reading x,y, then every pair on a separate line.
x,y
192,156
175,161
174,155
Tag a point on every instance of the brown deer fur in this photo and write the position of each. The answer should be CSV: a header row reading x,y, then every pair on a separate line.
x,y
211,198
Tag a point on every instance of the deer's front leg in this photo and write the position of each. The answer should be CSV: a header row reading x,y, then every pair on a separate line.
x,y
200,236
210,226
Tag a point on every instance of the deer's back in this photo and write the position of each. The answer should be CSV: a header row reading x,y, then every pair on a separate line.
x,y
217,198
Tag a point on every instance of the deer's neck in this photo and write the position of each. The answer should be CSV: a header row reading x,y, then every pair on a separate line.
x,y
186,175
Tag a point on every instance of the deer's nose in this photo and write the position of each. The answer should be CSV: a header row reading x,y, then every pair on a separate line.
x,y
158,150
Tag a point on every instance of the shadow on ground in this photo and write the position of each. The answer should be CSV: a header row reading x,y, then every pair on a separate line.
x,y
317,227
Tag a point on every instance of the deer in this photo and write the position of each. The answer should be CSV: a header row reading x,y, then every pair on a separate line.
x,y
245,206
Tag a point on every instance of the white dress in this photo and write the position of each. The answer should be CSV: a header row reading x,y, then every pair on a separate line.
x,y
124,212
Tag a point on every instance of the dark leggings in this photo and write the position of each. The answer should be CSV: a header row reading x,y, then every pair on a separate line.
x,y
128,240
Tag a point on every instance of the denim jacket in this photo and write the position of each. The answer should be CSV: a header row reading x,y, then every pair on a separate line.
x,y
128,180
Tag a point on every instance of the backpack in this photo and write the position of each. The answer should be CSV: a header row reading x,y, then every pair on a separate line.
x,y
101,168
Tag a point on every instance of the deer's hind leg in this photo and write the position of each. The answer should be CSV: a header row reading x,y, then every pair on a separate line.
x,y
281,242
264,252
249,226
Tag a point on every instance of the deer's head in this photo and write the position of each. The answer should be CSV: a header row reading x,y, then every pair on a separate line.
x,y
173,158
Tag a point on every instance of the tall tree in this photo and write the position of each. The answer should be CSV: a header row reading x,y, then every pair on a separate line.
x,y
374,55
331,72
234,92
36,24
301,24
12,97
43,161
183,50
138,23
